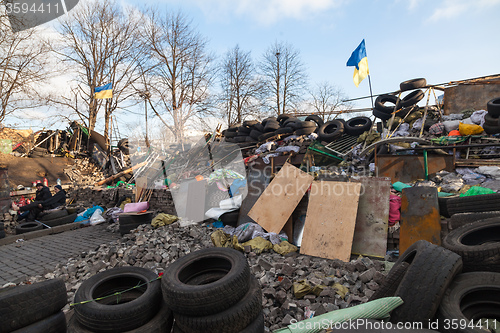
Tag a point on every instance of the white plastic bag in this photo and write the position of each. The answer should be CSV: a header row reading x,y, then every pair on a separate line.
x,y
96,217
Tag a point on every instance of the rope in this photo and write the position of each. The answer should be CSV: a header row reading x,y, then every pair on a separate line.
x,y
118,293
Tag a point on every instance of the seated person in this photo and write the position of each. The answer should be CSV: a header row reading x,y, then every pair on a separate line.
x,y
42,194
58,199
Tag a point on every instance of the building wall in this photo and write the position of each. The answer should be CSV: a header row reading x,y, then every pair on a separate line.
x,y
463,97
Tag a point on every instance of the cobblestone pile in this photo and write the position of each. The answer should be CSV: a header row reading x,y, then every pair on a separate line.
x,y
155,249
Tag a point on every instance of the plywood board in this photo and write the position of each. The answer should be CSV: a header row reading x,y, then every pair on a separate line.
x,y
330,220
278,201
372,221
420,217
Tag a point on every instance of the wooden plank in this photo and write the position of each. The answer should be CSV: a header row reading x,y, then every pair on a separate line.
x,y
372,221
278,201
420,217
330,220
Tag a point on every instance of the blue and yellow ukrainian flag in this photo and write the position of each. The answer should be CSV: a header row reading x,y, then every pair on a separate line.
x,y
103,92
358,58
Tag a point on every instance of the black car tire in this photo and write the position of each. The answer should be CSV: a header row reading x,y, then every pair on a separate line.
x,y
331,130
284,130
305,131
250,123
233,319
470,298
381,114
381,100
271,126
24,305
412,98
493,107
161,322
258,127
317,119
123,312
54,215
55,323
491,129
413,84
478,244
266,136
254,134
28,227
357,125
61,220
202,300
432,268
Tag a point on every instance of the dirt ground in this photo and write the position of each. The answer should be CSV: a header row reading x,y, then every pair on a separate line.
x,y
24,170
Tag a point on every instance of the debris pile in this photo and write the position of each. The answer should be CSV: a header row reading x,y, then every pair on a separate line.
x,y
292,285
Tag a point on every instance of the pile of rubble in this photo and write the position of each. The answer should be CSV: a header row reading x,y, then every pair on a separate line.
x,y
84,172
334,284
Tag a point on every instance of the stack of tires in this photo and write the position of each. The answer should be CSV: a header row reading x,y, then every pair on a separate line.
x,y
59,217
420,277
385,104
253,131
212,291
123,299
436,293
334,129
34,308
52,219
492,118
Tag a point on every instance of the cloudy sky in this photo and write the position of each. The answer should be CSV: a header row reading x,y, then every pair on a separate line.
x,y
441,40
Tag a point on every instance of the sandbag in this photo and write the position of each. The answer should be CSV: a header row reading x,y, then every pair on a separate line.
x,y
466,129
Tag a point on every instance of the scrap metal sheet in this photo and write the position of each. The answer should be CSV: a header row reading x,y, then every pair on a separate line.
x,y
370,234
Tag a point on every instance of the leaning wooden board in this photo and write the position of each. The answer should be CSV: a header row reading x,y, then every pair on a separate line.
x,y
278,201
330,220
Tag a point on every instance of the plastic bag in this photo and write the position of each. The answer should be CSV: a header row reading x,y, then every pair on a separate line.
x,y
466,129
478,117
96,217
477,190
492,171
451,125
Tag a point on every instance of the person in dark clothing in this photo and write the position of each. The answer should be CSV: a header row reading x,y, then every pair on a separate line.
x,y
42,194
58,199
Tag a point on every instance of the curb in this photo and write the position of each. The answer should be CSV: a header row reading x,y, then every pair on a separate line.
x,y
39,233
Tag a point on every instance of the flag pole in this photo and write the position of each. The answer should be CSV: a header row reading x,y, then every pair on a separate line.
x,y
370,84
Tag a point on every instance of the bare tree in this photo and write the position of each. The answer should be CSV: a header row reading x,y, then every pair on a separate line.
x,y
181,70
285,76
101,43
327,99
242,88
23,66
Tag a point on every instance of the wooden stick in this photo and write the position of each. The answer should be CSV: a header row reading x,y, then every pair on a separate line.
x,y
119,174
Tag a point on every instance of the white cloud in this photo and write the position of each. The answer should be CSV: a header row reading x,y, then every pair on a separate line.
x,y
453,8
267,12
414,4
